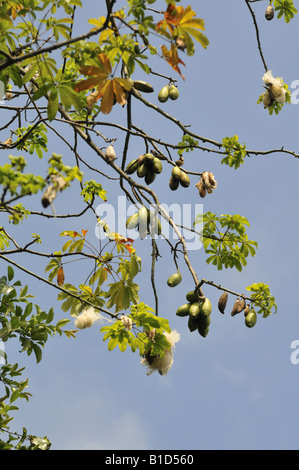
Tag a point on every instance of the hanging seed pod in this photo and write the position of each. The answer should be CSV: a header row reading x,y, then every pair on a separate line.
x,y
251,318
269,13
222,302
163,94
174,184
49,196
110,154
150,176
205,179
142,170
184,179
173,92
212,181
176,173
143,86
132,167
239,305
201,189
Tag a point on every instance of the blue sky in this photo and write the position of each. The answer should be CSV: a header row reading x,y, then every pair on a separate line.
x,y
237,388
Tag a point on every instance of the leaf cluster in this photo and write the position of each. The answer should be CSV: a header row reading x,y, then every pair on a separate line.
x,y
225,240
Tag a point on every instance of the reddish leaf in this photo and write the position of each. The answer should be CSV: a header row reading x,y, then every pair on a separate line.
x,y
60,276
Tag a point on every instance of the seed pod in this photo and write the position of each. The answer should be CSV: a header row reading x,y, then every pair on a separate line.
x,y
157,165
192,323
251,318
142,170
183,310
194,310
153,222
132,221
191,296
203,325
132,167
222,302
269,13
173,184
201,189
163,94
49,196
212,181
110,154
184,179
143,86
150,176
148,160
174,280
206,307
142,221
176,173
173,92
239,305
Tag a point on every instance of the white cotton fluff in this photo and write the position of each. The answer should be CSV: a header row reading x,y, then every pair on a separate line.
x,y
162,364
87,318
275,90
127,322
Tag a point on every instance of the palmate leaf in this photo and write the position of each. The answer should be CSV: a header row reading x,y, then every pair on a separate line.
x,y
179,22
108,89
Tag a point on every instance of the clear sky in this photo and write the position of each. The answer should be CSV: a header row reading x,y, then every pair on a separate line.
x,y
237,388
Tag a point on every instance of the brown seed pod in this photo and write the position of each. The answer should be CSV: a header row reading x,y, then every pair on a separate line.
x,y
110,154
201,189
222,302
49,196
180,162
269,13
239,305
246,310
212,180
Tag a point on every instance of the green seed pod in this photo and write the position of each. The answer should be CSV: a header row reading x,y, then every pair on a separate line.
x,y
251,318
142,221
150,176
173,92
173,184
192,323
163,94
142,170
204,325
152,219
191,296
194,310
176,173
140,85
174,280
183,310
132,221
184,179
149,160
157,165
206,307
132,167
